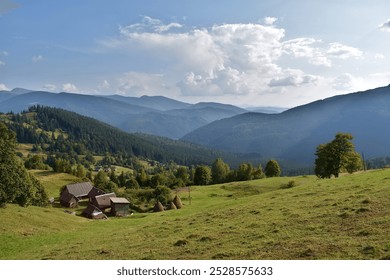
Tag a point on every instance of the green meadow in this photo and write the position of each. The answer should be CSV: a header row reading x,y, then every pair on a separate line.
x,y
341,218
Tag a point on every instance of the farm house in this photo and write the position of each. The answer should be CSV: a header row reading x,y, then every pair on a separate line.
x,y
103,201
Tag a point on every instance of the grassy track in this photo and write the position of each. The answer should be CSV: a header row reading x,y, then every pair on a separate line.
x,y
344,218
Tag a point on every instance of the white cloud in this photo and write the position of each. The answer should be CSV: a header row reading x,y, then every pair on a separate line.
x,y
306,48
270,20
293,77
379,56
2,63
50,87
231,61
149,24
68,87
385,26
3,87
37,58
4,53
104,85
138,84
338,50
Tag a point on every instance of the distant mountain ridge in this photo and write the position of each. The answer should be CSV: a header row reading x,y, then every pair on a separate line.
x,y
294,134
155,115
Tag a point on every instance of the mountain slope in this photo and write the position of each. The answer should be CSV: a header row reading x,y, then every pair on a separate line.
x,y
159,103
294,134
155,115
84,135
177,123
101,108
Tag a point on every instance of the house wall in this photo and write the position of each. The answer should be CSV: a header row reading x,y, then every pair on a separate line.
x,y
120,209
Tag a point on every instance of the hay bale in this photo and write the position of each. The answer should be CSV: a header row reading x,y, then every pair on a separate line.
x,y
158,207
177,202
172,206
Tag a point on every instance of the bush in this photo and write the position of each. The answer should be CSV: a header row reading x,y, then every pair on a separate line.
x,y
289,185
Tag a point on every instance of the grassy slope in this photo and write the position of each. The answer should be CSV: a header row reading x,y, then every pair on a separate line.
x,y
344,218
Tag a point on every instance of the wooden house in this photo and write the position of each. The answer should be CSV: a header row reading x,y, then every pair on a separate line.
x,y
119,206
103,201
68,200
79,190
94,192
92,212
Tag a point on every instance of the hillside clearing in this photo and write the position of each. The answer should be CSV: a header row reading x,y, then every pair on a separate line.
x,y
344,218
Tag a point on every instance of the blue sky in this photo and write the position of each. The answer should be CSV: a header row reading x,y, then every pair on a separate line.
x,y
248,53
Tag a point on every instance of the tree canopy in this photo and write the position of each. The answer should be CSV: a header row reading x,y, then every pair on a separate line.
x,y
16,184
336,156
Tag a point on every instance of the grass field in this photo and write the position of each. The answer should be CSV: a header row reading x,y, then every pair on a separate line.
x,y
343,218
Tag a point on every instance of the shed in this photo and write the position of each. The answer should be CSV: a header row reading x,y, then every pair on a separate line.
x,y
68,200
79,190
103,201
92,212
119,206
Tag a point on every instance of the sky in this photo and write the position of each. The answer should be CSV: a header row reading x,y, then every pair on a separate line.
x,y
247,52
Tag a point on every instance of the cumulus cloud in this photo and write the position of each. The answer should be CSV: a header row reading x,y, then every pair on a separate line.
x,y
379,56
69,87
224,60
3,87
385,26
270,20
36,58
293,77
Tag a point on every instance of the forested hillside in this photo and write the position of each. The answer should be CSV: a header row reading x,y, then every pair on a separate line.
x,y
60,131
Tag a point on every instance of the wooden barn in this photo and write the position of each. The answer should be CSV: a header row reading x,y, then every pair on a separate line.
x,y
79,190
92,212
103,201
68,200
94,192
119,206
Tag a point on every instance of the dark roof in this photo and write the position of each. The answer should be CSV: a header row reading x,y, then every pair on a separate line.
x,y
91,210
95,192
119,200
67,197
103,201
79,189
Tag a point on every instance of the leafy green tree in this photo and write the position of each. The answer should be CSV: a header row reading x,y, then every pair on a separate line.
x,y
101,179
143,178
219,171
272,169
244,172
335,156
258,172
162,194
80,171
16,184
202,175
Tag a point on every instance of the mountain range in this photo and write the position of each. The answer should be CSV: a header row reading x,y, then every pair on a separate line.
x,y
155,115
293,135
290,136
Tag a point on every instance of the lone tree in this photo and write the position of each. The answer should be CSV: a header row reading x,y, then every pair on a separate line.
x,y
272,169
336,156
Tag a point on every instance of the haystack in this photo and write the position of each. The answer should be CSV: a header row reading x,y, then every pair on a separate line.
x,y
172,206
158,207
177,202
